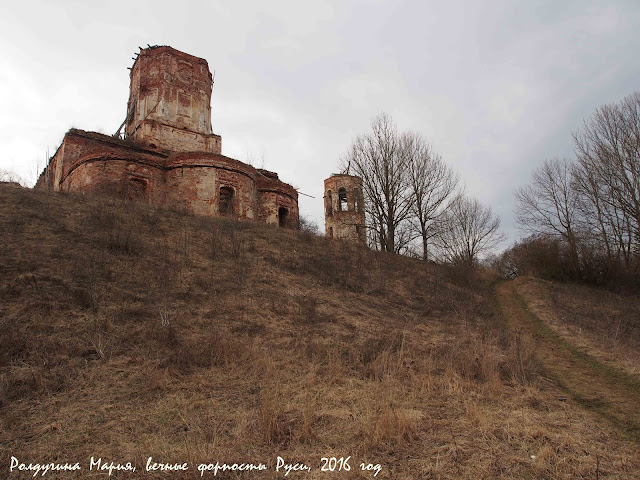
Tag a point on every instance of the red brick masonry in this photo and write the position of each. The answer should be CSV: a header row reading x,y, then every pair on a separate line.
x,y
344,214
169,155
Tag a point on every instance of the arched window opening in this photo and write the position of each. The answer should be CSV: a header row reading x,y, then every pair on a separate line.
x,y
330,232
357,200
283,217
136,189
329,203
342,200
225,201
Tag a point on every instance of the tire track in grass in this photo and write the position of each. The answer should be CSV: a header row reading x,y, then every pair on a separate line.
x,y
597,387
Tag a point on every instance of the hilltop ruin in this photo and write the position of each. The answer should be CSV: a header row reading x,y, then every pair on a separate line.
x,y
167,154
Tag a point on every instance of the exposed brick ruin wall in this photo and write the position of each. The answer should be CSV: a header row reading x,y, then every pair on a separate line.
x,y
170,101
169,156
344,208
176,139
88,161
194,181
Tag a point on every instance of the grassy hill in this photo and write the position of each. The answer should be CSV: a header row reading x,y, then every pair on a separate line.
x,y
128,332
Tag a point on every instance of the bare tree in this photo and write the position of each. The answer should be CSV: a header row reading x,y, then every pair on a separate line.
x,y
308,225
591,206
11,177
602,218
432,185
608,150
378,159
548,205
467,230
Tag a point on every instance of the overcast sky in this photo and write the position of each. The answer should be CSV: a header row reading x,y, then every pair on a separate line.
x,y
496,86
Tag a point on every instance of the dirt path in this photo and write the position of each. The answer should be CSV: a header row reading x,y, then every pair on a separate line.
x,y
608,391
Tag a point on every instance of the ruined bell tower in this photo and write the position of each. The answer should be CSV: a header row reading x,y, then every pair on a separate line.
x,y
344,208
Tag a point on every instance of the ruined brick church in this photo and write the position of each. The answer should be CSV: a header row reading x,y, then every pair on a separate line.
x,y
168,154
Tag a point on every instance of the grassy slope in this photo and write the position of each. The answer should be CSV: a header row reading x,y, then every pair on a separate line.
x,y
605,388
602,323
127,332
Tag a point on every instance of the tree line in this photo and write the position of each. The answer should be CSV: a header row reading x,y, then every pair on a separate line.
x,y
414,202
582,215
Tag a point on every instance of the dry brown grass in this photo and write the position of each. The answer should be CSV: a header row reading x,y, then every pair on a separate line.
x,y
603,323
127,332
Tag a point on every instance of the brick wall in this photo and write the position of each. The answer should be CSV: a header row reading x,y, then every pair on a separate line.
x,y
169,156
344,208
89,162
